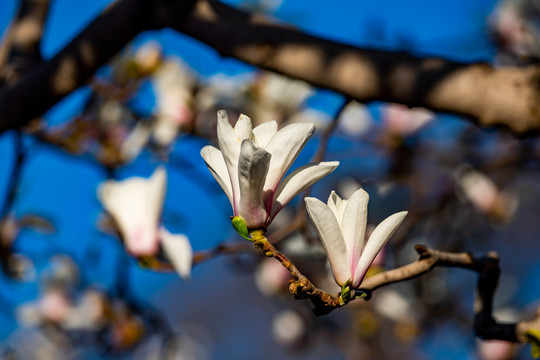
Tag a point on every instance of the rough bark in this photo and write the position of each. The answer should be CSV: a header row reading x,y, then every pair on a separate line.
x,y
488,96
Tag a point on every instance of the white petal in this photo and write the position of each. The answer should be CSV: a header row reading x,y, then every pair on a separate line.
x,y
243,128
332,240
337,205
353,225
157,188
264,132
229,145
285,146
216,164
252,170
299,180
136,204
178,250
376,241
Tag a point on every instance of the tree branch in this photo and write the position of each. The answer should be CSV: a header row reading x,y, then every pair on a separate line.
x,y
488,96
505,96
27,31
72,67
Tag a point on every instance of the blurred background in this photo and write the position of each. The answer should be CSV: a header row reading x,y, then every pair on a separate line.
x,y
68,289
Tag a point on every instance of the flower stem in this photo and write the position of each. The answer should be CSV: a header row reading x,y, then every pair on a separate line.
x,y
300,286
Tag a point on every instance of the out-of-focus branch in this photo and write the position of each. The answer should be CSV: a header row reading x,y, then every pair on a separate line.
x,y
48,83
506,96
488,271
8,223
25,36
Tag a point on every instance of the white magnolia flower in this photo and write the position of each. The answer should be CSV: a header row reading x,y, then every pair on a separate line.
x,y
136,204
252,163
341,226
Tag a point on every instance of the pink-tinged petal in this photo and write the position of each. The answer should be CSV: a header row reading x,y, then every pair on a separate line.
x,y
243,128
252,170
216,164
229,145
331,238
264,132
376,241
353,225
136,204
178,250
285,146
298,181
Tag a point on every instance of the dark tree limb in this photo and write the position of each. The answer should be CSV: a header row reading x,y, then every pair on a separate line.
x,y
25,36
506,96
50,82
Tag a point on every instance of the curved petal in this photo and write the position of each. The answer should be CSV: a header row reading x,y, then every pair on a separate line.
x,y
216,164
178,250
353,225
243,128
332,240
299,180
285,146
229,145
337,205
252,170
376,241
264,132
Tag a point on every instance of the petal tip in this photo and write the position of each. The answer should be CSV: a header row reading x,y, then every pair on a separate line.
x,y
222,115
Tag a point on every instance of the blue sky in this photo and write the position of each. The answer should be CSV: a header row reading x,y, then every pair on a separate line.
x,y
62,188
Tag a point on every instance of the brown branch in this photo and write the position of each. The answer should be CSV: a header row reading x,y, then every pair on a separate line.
x,y
487,268
506,96
301,286
93,47
25,37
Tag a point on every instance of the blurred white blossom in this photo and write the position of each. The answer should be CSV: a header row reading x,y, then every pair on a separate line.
x,y
495,350
271,277
174,84
484,194
402,120
288,328
136,205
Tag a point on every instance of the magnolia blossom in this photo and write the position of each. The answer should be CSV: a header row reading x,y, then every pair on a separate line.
x,y
252,163
341,226
136,204
173,83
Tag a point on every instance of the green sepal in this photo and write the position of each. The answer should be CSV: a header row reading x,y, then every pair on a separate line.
x,y
241,227
359,294
346,292
533,337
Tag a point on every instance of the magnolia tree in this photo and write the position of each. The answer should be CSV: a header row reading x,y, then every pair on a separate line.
x,y
116,242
